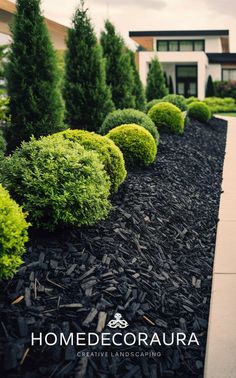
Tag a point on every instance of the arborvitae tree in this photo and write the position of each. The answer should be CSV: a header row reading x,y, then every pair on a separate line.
x,y
36,105
171,86
87,96
156,87
138,90
118,68
210,89
166,80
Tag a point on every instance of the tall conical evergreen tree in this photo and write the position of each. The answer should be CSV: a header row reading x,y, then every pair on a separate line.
x,y
156,87
210,89
87,96
138,90
36,105
118,68
171,86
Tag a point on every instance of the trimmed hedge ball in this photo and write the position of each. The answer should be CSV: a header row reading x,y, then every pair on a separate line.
x,y
167,117
151,103
58,183
199,111
177,100
129,116
136,143
109,154
13,234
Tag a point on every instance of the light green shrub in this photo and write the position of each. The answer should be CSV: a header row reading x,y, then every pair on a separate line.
x,y
199,111
220,105
129,116
191,99
58,183
13,234
151,103
167,117
136,143
109,154
177,100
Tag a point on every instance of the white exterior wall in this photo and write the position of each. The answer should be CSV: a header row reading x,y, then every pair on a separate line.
x,y
176,57
215,71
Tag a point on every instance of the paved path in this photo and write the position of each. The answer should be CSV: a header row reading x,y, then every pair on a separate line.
x,y
221,343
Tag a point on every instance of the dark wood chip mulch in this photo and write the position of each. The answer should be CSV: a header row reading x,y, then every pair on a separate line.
x,y
151,260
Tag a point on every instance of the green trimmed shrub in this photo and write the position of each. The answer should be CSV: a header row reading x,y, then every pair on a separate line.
x,y
191,99
13,234
4,109
177,100
129,116
3,145
136,143
167,117
109,154
220,105
199,111
57,183
150,104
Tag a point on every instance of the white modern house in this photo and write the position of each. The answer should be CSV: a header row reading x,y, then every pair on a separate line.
x,y
188,57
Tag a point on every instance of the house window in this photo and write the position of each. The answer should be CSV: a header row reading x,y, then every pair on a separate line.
x,y
162,46
186,46
229,74
181,45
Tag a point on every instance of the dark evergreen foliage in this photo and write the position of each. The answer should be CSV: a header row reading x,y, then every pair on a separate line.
x,y
138,90
87,96
36,105
171,86
118,68
156,87
210,89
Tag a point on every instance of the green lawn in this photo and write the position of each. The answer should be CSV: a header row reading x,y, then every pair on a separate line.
x,y
226,114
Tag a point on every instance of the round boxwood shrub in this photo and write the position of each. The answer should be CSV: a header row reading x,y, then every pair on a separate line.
x,y
129,116
199,111
13,234
109,154
136,143
151,103
167,117
58,183
191,99
177,100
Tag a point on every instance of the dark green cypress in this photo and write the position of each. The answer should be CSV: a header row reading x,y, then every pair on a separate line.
x,y
36,105
156,87
210,89
171,86
138,90
118,68
87,96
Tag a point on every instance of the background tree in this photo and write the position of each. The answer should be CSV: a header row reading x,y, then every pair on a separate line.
x,y
3,55
171,86
36,105
87,96
156,87
119,72
210,89
138,90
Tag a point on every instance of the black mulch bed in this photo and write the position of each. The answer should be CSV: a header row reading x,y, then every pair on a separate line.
x,y
151,261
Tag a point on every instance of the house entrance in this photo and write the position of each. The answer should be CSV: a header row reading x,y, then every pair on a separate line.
x,y
186,80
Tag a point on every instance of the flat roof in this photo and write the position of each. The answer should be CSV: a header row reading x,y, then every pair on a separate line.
x,y
222,57
178,33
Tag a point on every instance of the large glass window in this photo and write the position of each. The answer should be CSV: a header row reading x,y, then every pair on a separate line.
x,y
228,74
186,46
162,46
181,45
173,46
187,71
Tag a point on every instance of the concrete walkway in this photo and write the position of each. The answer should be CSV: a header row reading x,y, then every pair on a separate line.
x,y
221,343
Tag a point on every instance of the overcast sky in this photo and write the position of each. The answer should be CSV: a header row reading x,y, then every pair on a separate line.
x,y
151,14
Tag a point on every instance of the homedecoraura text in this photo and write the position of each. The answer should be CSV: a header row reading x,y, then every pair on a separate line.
x,y
116,339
